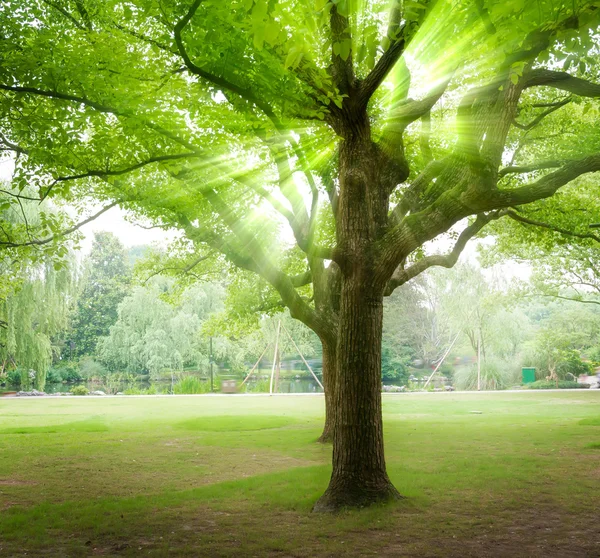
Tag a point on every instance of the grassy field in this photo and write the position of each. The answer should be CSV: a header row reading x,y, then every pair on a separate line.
x,y
237,476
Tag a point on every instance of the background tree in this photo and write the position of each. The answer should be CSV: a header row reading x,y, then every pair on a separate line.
x,y
106,276
188,110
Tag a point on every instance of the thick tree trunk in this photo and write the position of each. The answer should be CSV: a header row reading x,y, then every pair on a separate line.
x,y
329,372
359,476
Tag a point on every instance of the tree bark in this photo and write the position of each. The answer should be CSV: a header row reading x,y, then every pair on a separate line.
x,y
329,372
359,476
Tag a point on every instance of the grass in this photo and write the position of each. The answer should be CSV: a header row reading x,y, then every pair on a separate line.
x,y
237,476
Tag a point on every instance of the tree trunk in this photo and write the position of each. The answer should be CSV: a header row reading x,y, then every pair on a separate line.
x,y
329,371
359,476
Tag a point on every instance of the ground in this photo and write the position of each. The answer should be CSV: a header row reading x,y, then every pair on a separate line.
x,y
237,476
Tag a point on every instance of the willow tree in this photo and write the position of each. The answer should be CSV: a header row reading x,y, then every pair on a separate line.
x,y
387,123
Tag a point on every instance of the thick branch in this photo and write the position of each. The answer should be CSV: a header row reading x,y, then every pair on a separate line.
x,y
402,275
521,169
544,187
562,81
381,70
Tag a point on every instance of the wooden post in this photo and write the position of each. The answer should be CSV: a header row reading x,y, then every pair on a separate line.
x,y
441,361
277,371
254,367
275,358
479,362
303,359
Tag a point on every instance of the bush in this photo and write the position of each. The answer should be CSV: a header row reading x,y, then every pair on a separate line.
x,y
13,378
262,386
92,370
562,384
495,374
191,385
54,375
152,390
80,390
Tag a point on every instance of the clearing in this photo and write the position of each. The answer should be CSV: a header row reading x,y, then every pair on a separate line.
x,y
237,476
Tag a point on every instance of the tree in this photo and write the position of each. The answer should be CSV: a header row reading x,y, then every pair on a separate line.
x,y
32,317
151,335
104,285
209,117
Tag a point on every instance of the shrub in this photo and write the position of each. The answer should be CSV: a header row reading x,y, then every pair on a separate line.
x,y
262,386
152,390
92,370
80,390
562,384
54,375
13,378
495,374
191,385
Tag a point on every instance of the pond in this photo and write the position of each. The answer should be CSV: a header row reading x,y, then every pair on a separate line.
x,y
290,382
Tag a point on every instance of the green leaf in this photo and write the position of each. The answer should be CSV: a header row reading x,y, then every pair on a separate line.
x,y
271,32
345,47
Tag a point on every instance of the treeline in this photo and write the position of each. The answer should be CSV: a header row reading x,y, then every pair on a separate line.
x,y
101,318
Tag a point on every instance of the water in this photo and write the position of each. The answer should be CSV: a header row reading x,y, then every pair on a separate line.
x,y
286,385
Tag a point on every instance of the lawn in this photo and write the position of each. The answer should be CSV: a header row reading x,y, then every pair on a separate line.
x,y
237,476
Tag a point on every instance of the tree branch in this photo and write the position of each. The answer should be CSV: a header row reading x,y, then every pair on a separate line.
x,y
521,169
540,117
125,170
215,80
382,68
402,275
525,220
562,81
181,270
41,242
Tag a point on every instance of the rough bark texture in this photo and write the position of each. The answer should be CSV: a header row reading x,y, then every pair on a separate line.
x,y
329,374
359,476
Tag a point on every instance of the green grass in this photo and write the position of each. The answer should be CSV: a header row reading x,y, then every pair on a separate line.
x,y
238,476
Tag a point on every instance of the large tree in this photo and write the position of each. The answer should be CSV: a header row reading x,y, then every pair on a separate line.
x,y
227,120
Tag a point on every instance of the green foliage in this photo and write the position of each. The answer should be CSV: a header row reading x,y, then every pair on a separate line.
x,y
393,368
153,335
63,371
191,385
80,390
260,386
13,378
103,286
562,384
495,374
35,315
92,370
152,390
